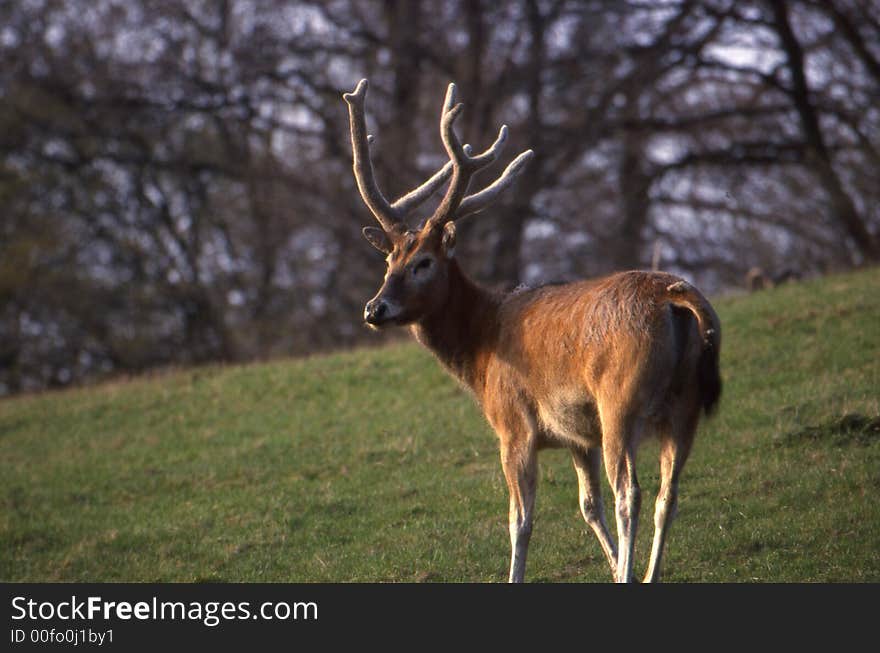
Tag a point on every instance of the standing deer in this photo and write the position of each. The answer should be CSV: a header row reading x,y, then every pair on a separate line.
x,y
593,366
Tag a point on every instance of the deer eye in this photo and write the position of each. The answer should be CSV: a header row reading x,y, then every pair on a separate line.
x,y
422,266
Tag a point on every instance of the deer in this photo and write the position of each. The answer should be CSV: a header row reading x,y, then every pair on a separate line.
x,y
593,366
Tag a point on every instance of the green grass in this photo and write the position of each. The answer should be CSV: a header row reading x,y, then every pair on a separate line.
x,y
374,466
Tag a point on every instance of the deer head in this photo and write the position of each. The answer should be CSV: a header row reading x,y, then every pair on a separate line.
x,y
417,278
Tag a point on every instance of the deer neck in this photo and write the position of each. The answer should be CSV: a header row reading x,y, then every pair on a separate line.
x,y
463,331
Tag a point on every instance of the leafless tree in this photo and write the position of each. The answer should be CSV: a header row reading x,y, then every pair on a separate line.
x,y
175,176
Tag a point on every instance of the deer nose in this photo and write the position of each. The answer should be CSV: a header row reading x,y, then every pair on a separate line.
x,y
375,311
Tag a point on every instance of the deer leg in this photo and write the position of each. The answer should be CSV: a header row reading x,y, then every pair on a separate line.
x,y
521,471
619,453
673,454
586,465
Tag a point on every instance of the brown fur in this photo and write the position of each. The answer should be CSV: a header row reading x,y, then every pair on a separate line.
x,y
590,338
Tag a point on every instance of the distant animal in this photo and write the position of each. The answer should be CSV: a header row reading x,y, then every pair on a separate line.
x,y
758,279
591,366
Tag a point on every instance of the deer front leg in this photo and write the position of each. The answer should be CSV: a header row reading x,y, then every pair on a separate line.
x,y
620,465
675,447
521,471
664,511
586,465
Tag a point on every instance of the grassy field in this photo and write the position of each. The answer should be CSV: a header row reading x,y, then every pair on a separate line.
x,y
374,466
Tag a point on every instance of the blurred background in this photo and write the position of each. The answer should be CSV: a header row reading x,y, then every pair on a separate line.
x,y
176,186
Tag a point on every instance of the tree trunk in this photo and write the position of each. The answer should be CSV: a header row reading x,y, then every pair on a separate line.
x,y
399,143
819,158
504,260
635,182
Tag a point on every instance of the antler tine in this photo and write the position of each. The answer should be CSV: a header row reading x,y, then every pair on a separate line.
x,y
406,204
362,164
479,201
461,168
417,196
456,204
388,215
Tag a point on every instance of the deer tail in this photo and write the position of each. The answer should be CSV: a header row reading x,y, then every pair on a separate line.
x,y
684,295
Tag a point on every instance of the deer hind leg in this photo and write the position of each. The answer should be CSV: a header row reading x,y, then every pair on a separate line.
x,y
520,466
586,465
619,439
674,449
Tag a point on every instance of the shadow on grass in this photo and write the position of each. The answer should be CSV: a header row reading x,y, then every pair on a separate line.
x,y
852,428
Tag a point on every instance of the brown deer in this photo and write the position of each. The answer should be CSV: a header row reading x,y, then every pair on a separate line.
x,y
593,366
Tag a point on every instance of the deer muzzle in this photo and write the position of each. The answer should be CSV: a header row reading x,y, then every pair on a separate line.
x,y
380,312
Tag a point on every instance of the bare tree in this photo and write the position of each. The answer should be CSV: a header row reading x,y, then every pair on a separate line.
x,y
175,180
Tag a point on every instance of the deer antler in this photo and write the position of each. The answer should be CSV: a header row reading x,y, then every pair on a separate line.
x,y
388,215
455,203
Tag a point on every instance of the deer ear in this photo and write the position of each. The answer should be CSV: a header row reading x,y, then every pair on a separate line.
x,y
377,238
448,242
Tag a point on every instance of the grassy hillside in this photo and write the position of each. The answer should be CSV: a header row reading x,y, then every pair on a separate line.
x,y
374,466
